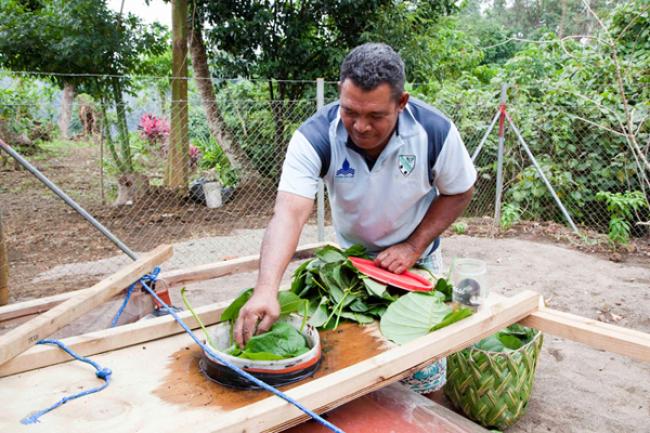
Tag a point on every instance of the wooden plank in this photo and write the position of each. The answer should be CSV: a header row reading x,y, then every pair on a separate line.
x,y
24,336
110,339
158,387
172,278
600,335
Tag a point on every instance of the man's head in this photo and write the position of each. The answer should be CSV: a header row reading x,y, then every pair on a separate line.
x,y
372,95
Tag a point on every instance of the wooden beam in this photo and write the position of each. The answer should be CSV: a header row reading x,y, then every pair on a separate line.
x,y
21,338
594,333
172,278
111,339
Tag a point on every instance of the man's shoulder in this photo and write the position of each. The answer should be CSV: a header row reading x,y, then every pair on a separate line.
x,y
317,126
432,119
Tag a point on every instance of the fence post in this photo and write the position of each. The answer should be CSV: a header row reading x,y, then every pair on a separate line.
x,y
320,200
502,119
4,267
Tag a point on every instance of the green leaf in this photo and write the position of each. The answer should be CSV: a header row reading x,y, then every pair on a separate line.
x,y
282,340
445,287
290,302
232,311
358,306
357,317
260,356
412,316
510,341
319,314
356,250
330,254
490,344
454,317
373,287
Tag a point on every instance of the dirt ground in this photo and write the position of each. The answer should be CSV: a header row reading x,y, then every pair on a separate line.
x,y
577,389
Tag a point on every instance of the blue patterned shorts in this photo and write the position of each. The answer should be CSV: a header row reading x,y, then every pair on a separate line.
x,y
434,376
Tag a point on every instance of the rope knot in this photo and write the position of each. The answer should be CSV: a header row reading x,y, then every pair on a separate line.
x,y
104,373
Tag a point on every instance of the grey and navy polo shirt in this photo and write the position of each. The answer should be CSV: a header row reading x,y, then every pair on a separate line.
x,y
379,203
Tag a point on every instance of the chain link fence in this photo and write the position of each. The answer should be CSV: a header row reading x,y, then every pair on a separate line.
x,y
232,183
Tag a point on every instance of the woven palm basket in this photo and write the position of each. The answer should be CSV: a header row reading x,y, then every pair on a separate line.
x,y
493,388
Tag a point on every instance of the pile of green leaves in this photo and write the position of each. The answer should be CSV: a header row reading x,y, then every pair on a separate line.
x,y
336,290
511,338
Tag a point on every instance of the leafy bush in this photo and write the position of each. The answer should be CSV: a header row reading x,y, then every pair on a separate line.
x,y
621,208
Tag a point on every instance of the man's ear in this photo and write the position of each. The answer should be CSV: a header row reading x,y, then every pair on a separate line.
x,y
403,100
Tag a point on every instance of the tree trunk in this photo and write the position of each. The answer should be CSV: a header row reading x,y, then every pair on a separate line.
x,y
208,99
178,161
4,268
122,128
66,110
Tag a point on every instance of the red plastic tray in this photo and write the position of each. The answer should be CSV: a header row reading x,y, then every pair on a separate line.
x,y
407,281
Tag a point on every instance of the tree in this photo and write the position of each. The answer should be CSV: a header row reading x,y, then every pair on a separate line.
x,y
80,43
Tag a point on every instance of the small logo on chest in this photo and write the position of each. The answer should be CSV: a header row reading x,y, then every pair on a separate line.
x,y
406,164
346,171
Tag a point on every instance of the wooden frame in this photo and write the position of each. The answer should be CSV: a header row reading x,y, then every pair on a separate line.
x,y
124,345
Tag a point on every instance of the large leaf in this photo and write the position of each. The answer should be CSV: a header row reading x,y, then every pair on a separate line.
x,y
290,303
330,254
319,313
412,316
232,311
281,340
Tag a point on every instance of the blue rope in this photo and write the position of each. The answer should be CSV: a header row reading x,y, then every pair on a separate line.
x,y
241,372
152,277
102,373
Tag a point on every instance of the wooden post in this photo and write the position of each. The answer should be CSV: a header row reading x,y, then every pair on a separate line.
x,y
178,158
4,267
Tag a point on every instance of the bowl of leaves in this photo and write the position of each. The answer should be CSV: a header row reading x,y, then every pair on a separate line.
x,y
290,351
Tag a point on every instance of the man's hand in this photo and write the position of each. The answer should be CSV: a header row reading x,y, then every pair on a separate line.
x,y
398,258
257,316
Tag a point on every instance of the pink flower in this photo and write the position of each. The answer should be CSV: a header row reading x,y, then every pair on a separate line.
x,y
153,129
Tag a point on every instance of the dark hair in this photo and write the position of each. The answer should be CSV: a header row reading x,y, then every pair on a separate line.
x,y
372,64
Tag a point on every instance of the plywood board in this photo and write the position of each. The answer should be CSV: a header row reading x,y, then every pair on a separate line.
x,y
157,386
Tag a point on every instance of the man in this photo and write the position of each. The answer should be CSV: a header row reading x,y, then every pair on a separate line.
x,y
397,174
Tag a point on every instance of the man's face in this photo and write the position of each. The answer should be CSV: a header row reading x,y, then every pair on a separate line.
x,y
369,117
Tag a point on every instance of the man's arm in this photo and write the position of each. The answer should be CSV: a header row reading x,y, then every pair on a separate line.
x,y
441,213
278,246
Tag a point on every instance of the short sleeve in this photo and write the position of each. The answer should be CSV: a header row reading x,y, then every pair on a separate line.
x,y
301,168
454,172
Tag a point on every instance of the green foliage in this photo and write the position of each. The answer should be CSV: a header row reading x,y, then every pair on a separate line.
x,y
26,107
621,208
511,338
510,214
214,158
459,228
336,289
83,43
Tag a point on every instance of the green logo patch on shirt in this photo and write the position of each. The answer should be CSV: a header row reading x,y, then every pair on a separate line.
x,y
406,164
